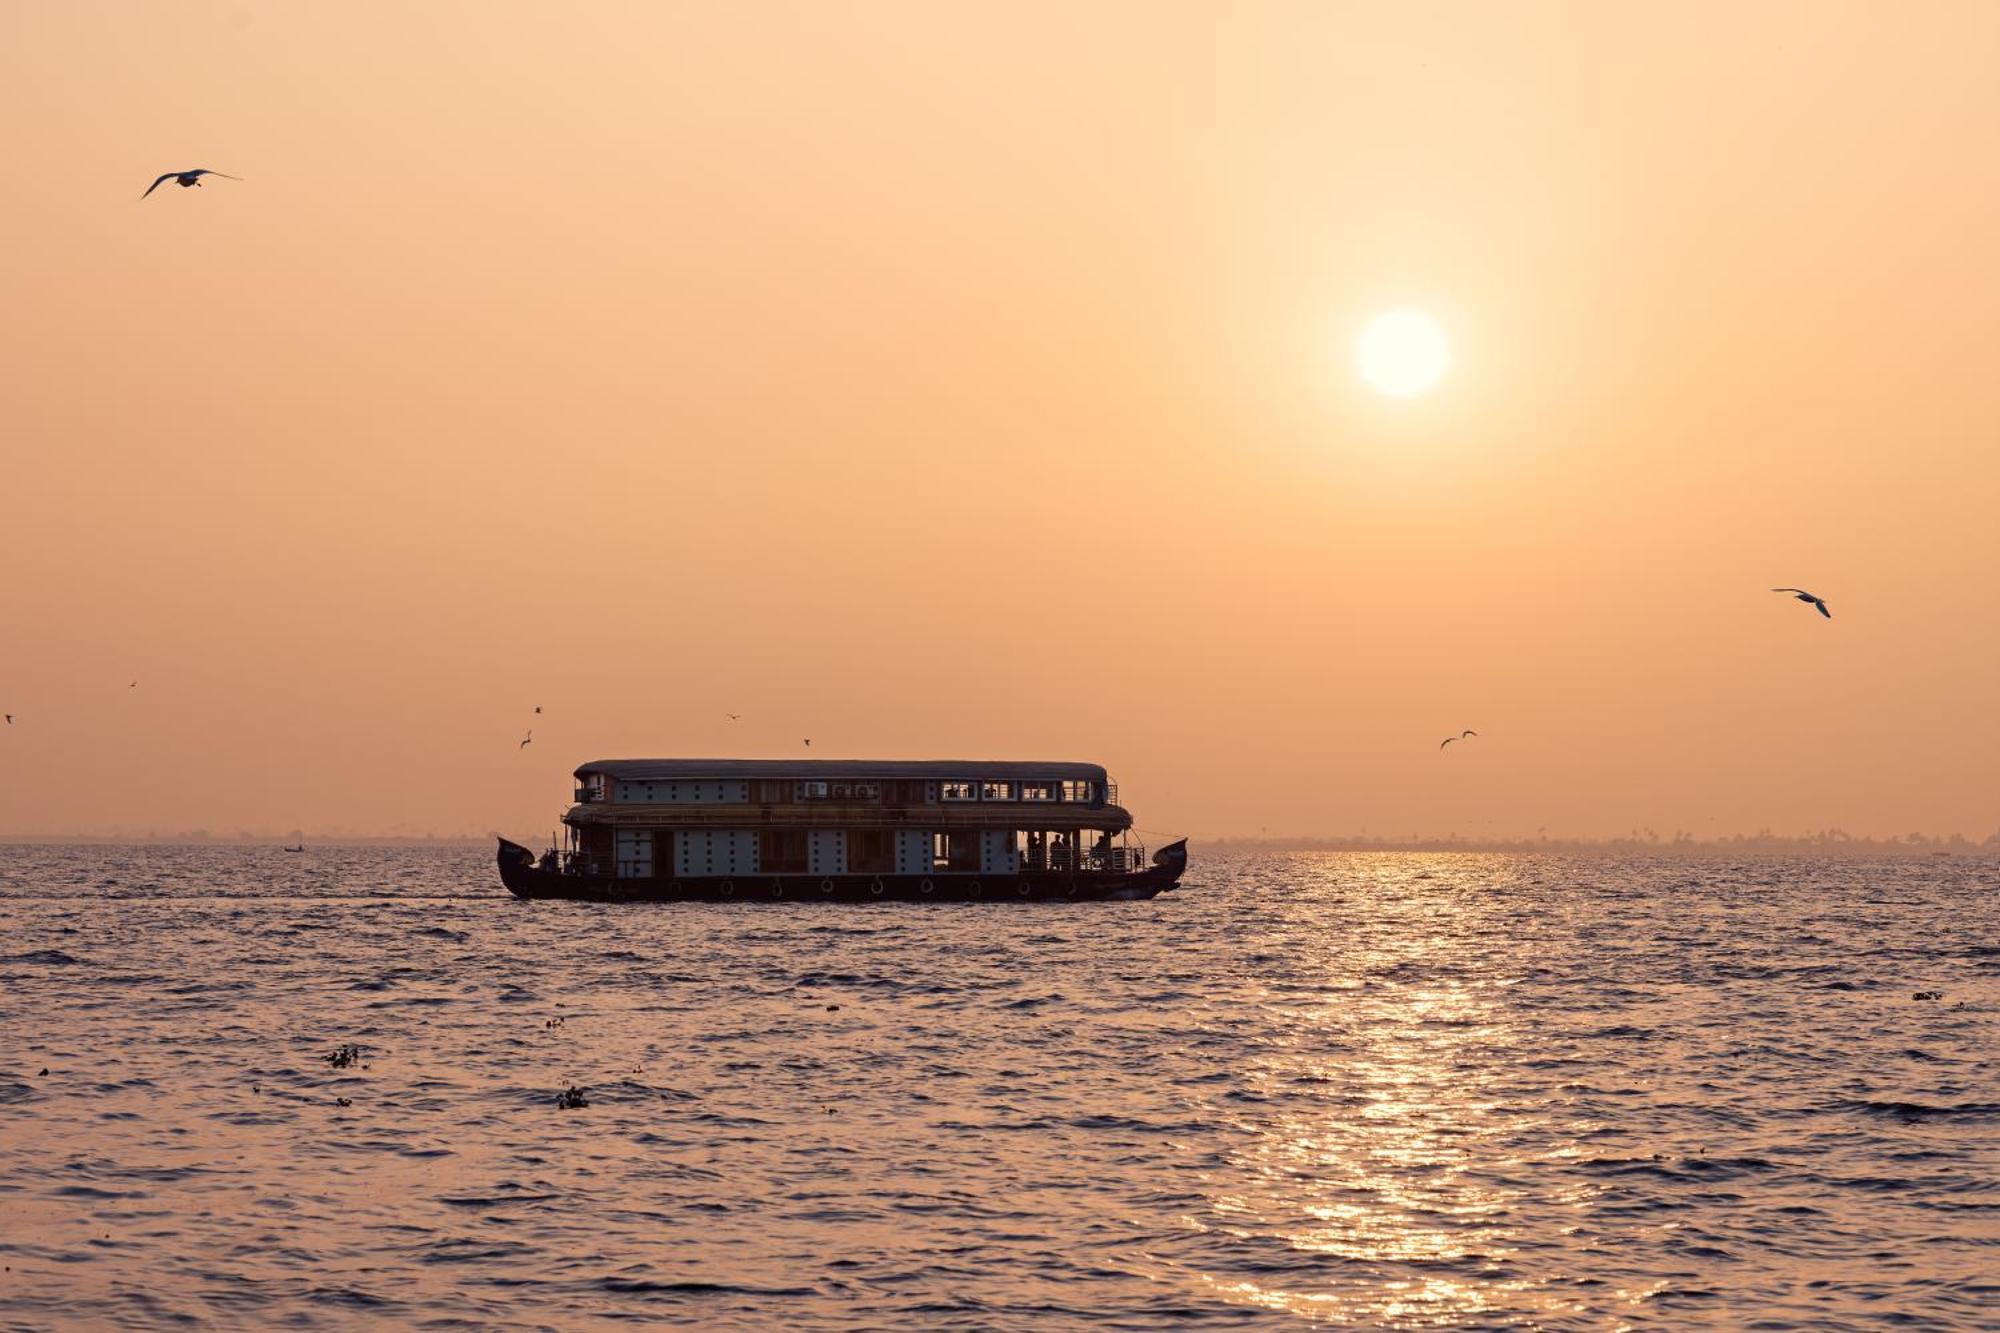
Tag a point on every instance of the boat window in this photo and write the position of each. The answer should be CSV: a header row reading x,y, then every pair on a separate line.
x,y
1077,790
955,851
996,791
957,791
871,851
781,851
812,791
1038,791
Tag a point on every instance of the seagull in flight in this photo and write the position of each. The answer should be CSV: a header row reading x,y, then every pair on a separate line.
x,y
1800,594
1446,741
732,716
187,178
10,719
526,740
809,743
1467,732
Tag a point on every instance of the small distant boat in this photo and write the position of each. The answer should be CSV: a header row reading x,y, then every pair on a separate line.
x,y
843,830
301,847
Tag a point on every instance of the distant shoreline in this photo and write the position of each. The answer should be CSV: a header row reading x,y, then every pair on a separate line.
x,y
1761,844
1752,845
196,840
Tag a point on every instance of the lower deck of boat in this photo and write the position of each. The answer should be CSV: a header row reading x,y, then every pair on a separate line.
x,y
525,879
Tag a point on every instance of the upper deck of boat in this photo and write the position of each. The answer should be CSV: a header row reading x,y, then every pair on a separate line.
x,y
848,793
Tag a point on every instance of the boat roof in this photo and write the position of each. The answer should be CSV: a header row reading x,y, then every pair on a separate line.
x,y
659,770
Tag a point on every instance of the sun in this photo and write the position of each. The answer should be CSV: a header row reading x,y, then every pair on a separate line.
x,y
1402,353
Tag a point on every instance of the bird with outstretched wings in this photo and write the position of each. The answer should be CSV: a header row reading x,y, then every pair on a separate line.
x,y
1801,595
184,179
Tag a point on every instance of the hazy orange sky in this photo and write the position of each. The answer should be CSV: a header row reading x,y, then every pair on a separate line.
x,y
940,380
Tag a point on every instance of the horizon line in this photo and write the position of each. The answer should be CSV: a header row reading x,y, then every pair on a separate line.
x,y
1763,839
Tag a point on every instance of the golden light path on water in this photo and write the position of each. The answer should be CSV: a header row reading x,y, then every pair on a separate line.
x,y
1371,1174
1411,1159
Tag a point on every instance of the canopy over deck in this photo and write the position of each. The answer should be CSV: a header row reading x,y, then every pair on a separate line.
x,y
995,770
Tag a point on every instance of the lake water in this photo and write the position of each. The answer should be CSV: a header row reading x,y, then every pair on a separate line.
x,y
1366,1089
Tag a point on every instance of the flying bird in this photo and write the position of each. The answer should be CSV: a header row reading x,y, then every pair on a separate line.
x,y
538,708
10,719
1801,595
1467,732
732,716
525,740
1446,741
809,743
133,686
187,178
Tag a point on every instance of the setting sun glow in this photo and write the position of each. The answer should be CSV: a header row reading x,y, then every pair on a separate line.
x,y
1402,353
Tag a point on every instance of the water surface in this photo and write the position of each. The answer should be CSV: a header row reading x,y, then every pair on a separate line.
x,y
1368,1089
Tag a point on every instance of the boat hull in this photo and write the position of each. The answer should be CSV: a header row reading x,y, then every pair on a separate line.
x,y
525,879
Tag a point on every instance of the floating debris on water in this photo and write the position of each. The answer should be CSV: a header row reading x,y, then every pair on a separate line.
x,y
343,1056
571,1099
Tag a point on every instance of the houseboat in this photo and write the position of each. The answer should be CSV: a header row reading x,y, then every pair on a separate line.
x,y
718,830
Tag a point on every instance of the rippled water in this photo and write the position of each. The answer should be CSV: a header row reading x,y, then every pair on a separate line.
x,y
1428,1090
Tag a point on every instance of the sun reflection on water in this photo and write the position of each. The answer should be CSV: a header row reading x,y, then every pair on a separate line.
x,y
1370,1165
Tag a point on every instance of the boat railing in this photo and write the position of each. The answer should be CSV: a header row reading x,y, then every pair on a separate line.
x,y
562,861
824,815
1056,859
